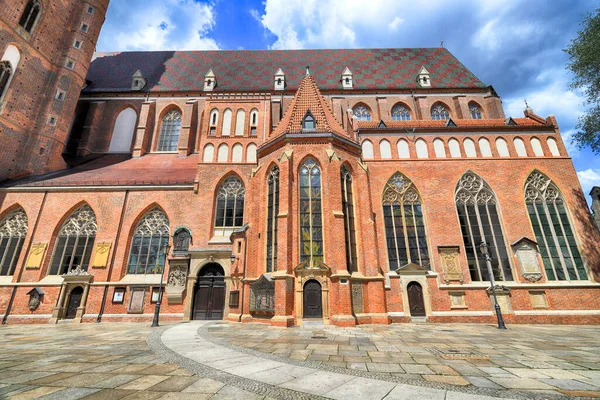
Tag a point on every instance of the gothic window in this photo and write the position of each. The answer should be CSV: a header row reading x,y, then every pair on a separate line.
x,y
308,123
230,206
553,231
349,225
253,121
272,211
362,113
13,230
169,131
404,224
182,240
475,111
5,73
400,113
74,242
439,112
30,15
479,220
150,236
311,225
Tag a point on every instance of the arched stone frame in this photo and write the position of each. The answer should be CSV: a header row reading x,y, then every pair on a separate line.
x,y
176,231
360,106
159,123
213,228
113,125
435,107
199,259
404,105
12,55
302,275
419,276
472,104
9,212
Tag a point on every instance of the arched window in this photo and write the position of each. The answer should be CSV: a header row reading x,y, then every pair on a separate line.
x,y
5,74
367,150
385,150
454,148
237,152
475,110
536,145
209,153
400,113
30,15
13,230
74,242
227,115
553,232
484,147
470,150
403,150
253,121
230,206
240,122
553,147
308,123
404,224
214,121
520,147
223,153
349,225
362,112
169,131
439,112
122,135
150,236
438,147
251,153
502,148
479,220
422,151
311,225
272,212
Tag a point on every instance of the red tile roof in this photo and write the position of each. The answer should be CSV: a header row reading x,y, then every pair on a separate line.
x,y
119,170
254,70
460,123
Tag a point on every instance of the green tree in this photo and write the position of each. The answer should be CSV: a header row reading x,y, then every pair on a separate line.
x,y
584,62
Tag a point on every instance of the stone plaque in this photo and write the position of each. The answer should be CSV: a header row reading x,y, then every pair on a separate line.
x,y
101,255
36,256
450,264
538,299
457,300
526,251
262,294
357,297
136,303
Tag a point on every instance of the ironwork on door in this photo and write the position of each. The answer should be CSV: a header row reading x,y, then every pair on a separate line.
x,y
74,302
209,296
313,307
415,300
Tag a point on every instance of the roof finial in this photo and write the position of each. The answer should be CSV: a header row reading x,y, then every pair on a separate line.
x,y
307,70
526,105
442,44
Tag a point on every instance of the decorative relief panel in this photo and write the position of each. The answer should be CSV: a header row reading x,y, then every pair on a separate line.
x,y
457,300
36,255
538,299
357,297
526,251
262,294
101,255
450,263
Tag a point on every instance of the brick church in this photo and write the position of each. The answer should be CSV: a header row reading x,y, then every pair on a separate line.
x,y
351,186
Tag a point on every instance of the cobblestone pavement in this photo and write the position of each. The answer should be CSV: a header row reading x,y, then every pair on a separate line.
x,y
254,361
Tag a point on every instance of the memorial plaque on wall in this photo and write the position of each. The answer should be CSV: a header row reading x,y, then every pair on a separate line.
x,y
262,294
526,251
136,304
357,297
450,263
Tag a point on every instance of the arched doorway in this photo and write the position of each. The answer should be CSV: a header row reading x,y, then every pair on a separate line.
x,y
74,302
209,293
415,299
313,302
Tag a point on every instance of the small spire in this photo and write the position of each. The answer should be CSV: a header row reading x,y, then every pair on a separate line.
x,y
307,70
442,44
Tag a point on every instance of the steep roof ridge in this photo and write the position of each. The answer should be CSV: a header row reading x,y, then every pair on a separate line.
x,y
308,97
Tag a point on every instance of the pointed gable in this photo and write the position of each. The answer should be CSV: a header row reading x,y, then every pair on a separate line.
x,y
308,98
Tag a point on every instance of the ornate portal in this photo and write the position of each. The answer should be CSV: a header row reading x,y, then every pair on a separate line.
x,y
262,294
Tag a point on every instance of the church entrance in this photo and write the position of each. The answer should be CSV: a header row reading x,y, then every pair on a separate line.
x,y
209,293
74,302
313,302
415,300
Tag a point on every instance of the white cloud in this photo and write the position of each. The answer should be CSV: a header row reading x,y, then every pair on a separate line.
x,y
588,179
164,25
392,26
497,33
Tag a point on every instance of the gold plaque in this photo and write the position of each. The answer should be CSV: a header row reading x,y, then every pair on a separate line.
x,y
36,256
101,255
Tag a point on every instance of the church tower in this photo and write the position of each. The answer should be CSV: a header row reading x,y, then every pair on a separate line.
x,y
595,193
45,47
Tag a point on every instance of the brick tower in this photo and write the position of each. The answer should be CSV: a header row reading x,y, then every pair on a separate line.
x,y
595,193
45,47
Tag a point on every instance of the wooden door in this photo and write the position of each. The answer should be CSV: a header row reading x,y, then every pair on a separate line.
x,y
74,302
313,303
415,300
209,299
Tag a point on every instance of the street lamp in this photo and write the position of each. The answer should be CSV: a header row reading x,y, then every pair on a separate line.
x,y
165,251
483,247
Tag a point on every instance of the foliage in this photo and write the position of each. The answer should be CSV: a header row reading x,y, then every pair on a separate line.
x,y
584,62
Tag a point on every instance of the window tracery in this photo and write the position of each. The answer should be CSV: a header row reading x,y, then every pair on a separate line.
x,y
150,236
400,113
5,73
169,131
230,206
362,113
75,241
349,225
475,111
439,113
272,212
13,230
311,225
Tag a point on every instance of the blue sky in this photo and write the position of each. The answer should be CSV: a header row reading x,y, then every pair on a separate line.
x,y
514,45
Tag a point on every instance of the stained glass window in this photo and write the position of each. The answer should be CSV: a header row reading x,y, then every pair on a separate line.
x,y
400,113
553,231
75,241
404,224
362,113
13,230
475,111
311,224
439,112
230,206
272,211
349,225
151,235
169,131
479,220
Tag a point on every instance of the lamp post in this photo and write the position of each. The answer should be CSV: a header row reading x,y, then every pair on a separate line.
x,y
483,247
165,250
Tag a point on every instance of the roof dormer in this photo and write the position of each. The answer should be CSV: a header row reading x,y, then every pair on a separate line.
x,y
347,80
423,79
279,82
210,81
138,82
